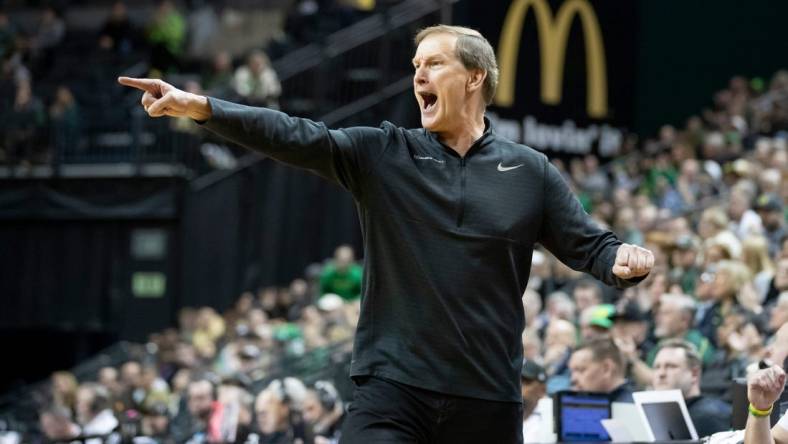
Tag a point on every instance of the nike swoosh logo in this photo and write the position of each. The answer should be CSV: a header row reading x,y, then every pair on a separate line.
x,y
503,168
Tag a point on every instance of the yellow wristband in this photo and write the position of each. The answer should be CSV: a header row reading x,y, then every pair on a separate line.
x,y
760,413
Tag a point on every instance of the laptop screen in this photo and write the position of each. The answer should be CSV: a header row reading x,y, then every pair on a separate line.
x,y
666,421
579,416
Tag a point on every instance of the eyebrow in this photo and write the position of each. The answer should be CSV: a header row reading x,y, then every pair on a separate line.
x,y
429,58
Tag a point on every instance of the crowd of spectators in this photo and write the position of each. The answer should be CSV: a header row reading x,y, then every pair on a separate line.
x,y
24,114
40,111
218,376
707,199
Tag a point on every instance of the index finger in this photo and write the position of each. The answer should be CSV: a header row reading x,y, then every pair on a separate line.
x,y
141,84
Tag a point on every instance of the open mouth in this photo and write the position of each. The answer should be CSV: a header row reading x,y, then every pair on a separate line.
x,y
429,101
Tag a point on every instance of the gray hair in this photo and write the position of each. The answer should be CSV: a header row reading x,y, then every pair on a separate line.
x,y
690,351
473,50
683,302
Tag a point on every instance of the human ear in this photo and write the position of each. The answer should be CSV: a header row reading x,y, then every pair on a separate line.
x,y
695,373
476,79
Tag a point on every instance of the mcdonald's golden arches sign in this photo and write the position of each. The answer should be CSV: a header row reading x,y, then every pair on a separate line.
x,y
566,70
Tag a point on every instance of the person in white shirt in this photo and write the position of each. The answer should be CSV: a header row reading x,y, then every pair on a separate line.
x,y
533,383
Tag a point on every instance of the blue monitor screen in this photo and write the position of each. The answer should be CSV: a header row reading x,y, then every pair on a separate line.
x,y
581,418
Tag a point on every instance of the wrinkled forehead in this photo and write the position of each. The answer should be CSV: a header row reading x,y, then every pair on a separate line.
x,y
438,44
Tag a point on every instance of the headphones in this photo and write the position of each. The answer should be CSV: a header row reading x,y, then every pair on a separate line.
x,y
327,394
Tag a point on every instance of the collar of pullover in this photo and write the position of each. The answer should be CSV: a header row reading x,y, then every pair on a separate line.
x,y
484,140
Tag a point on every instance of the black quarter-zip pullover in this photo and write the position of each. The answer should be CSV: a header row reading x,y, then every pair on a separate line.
x,y
448,242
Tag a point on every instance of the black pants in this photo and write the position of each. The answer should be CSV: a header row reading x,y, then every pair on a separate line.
x,y
384,411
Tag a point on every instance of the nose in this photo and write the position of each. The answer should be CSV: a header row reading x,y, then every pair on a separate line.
x,y
420,76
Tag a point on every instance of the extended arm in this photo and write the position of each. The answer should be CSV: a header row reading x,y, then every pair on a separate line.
x,y
575,239
342,156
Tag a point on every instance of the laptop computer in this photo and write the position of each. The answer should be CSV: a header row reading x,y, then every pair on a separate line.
x,y
665,415
578,416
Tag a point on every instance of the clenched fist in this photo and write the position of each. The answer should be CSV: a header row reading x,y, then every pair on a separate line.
x,y
632,261
162,99
764,387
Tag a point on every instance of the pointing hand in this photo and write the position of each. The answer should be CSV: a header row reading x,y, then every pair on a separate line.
x,y
162,99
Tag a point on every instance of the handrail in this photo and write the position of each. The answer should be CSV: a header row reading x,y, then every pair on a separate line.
x,y
364,103
214,177
355,35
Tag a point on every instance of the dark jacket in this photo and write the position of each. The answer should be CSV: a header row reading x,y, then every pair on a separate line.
x,y
710,415
448,242
622,393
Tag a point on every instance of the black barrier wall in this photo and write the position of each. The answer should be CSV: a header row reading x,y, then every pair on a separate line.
x,y
689,50
116,258
261,226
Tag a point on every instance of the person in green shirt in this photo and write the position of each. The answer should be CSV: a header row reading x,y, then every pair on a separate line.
x,y
166,35
342,276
